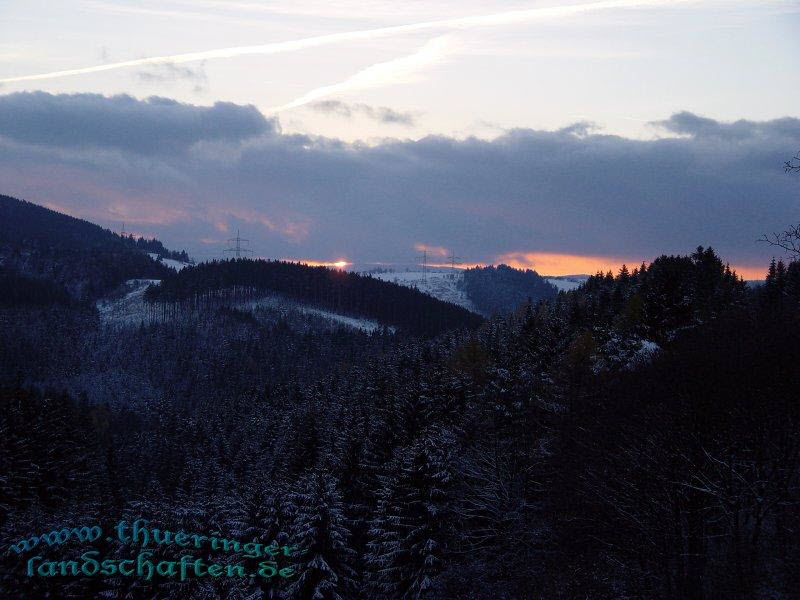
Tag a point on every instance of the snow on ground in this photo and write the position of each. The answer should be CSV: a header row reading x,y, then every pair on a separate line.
x,y
439,284
566,283
128,308
646,352
168,262
444,284
367,325
174,264
283,304
649,347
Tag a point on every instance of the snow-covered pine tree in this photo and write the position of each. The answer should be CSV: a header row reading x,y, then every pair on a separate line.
x,y
319,530
409,533
266,521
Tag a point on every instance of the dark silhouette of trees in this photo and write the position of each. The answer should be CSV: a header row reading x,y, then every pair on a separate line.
x,y
638,437
237,280
502,288
85,259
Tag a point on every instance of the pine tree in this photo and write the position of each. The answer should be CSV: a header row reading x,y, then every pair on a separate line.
x,y
409,533
265,520
319,530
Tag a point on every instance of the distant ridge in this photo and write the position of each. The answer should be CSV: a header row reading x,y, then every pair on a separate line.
x,y
389,304
84,259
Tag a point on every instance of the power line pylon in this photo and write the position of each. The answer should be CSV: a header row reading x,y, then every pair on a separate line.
x,y
454,260
424,259
237,249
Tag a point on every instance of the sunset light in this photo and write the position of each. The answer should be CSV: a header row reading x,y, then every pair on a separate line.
x,y
546,263
547,346
338,264
435,250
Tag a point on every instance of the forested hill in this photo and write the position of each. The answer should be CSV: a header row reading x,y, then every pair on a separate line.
x,y
659,300
76,256
502,289
350,293
636,438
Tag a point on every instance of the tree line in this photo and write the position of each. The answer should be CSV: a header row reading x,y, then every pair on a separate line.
x,y
638,437
237,280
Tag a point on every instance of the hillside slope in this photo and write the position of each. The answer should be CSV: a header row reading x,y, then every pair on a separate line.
x,y
84,259
501,288
449,286
440,284
350,294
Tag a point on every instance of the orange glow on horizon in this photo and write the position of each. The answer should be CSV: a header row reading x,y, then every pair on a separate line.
x,y
338,264
759,273
437,250
546,263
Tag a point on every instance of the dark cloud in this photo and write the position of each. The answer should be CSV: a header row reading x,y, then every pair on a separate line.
x,y
687,123
171,73
153,125
571,191
580,129
377,113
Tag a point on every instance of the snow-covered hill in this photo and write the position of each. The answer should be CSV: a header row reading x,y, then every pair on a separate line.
x,y
285,307
126,306
443,285
168,262
565,283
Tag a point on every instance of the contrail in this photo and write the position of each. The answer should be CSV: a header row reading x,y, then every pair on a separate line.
x,y
503,18
377,74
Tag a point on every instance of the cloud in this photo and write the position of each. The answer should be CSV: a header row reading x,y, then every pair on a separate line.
x,y
433,250
689,124
169,73
527,195
565,264
122,122
382,114
459,23
398,70
580,129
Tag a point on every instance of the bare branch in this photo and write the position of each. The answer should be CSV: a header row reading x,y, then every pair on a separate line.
x,y
788,240
793,166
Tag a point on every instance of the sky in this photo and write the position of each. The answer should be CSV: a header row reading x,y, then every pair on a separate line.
x,y
563,136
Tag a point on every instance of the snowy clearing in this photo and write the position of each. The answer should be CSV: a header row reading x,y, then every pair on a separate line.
x,y
567,283
127,307
286,305
130,307
168,262
442,285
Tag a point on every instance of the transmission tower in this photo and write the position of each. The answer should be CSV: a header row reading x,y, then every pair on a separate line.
x,y
454,260
123,233
237,249
424,260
